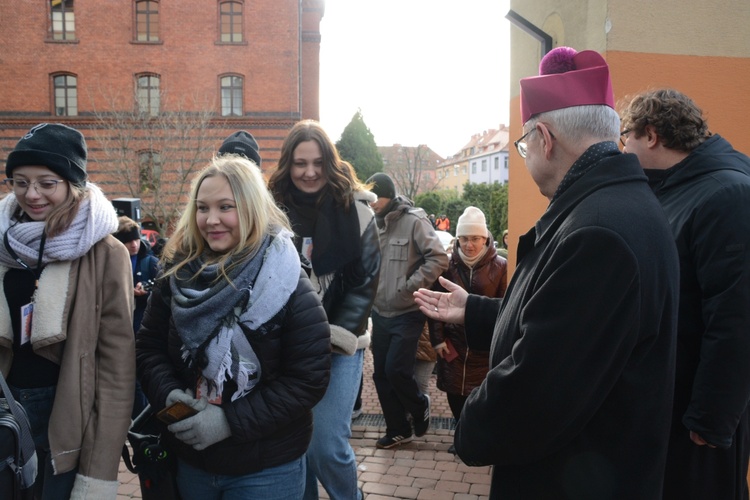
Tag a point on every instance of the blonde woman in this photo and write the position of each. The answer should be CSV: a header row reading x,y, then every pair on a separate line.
x,y
235,331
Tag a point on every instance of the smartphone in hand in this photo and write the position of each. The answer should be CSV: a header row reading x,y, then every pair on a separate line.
x,y
176,412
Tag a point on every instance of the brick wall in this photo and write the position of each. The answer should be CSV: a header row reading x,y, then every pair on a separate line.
x,y
278,60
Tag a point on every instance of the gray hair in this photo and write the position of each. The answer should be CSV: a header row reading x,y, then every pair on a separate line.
x,y
579,122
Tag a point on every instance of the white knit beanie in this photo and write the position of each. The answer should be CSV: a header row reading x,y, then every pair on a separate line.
x,y
471,223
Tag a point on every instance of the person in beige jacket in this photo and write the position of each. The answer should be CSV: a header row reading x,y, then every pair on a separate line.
x,y
66,335
412,258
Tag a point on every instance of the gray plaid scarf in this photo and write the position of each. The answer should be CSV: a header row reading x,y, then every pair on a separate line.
x,y
211,316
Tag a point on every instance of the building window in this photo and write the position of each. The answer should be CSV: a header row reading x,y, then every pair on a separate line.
x,y
484,165
150,168
63,20
231,22
505,161
66,95
231,96
147,21
497,163
463,170
473,167
455,171
147,94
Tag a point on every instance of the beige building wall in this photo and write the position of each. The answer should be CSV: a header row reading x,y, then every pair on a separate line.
x,y
697,47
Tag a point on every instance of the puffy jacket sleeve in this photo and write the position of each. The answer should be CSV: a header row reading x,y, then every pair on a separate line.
x,y
302,376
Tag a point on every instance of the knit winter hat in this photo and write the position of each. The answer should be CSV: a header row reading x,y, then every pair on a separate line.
x,y
383,185
241,143
471,223
58,147
566,78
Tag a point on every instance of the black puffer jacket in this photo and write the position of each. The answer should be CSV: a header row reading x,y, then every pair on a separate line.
x,y
271,425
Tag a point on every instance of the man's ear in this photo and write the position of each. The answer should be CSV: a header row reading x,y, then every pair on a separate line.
x,y
546,137
652,138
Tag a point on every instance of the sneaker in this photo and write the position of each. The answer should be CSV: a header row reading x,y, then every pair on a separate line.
x,y
356,413
421,426
387,441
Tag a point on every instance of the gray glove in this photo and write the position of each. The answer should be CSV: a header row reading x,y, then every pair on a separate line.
x,y
207,427
186,397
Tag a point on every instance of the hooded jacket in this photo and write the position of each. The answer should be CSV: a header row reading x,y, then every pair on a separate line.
x,y
412,257
706,198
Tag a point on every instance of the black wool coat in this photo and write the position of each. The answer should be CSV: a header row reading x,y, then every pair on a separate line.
x,y
578,399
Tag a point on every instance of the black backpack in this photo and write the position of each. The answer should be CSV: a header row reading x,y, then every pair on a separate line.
x,y
18,462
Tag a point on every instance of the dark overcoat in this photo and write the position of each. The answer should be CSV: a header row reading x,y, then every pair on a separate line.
x,y
706,198
578,399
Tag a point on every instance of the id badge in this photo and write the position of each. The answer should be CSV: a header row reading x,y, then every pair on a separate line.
x,y
201,390
307,245
27,313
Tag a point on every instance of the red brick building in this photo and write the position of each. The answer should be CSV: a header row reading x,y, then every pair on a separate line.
x,y
155,86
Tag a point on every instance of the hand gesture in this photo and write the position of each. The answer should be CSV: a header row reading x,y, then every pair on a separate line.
x,y
446,307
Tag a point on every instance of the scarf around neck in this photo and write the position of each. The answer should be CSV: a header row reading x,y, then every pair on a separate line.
x,y
95,219
471,261
211,315
335,233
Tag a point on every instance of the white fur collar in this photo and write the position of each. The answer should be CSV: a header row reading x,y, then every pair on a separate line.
x,y
49,306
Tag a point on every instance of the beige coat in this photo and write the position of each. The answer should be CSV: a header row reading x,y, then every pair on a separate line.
x,y
85,306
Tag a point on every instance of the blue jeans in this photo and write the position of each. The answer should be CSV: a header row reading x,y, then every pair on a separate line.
x,y
330,457
38,405
394,352
283,482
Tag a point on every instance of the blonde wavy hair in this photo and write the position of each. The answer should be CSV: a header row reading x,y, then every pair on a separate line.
x,y
256,209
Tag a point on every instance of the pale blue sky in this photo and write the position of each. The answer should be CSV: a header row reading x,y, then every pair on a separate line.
x,y
422,71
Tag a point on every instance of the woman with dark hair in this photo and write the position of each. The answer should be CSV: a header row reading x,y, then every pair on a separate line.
x,y
72,368
235,331
335,231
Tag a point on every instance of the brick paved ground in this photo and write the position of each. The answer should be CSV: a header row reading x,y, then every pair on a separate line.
x,y
420,470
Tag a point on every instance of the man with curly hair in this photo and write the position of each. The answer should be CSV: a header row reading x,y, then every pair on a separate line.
x,y
703,185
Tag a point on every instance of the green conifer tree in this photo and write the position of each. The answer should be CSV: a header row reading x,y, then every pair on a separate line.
x,y
357,146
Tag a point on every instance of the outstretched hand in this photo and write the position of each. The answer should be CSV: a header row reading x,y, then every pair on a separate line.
x,y
446,307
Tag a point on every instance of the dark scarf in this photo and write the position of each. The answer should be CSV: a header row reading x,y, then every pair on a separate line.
x,y
335,233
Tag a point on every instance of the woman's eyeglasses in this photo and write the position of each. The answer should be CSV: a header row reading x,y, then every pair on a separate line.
x,y
45,186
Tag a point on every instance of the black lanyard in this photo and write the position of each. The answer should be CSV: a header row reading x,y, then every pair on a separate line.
x,y
36,272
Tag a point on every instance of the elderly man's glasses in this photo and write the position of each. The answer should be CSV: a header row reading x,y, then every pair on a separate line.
x,y
45,186
521,145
